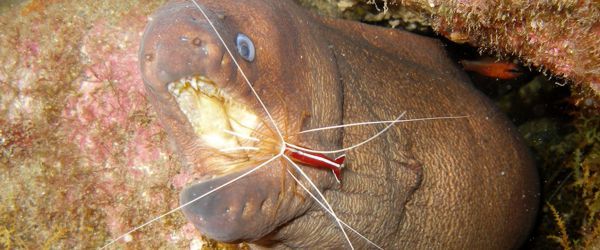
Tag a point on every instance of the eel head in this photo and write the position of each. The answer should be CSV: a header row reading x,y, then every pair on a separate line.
x,y
214,118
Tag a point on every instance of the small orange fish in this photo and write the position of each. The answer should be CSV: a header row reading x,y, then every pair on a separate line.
x,y
495,69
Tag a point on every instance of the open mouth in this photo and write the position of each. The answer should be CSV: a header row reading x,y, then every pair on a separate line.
x,y
225,128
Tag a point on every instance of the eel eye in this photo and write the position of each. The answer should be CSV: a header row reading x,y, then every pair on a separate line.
x,y
245,47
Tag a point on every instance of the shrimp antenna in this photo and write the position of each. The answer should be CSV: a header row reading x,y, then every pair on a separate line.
x,y
241,135
243,148
322,197
381,122
330,211
240,69
353,146
192,201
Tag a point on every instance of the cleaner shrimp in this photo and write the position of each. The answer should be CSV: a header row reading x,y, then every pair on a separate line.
x,y
281,148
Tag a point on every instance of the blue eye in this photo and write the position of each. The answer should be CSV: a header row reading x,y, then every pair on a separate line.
x,y
245,47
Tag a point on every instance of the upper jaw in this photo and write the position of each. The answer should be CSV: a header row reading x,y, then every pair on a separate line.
x,y
224,134
193,86
219,122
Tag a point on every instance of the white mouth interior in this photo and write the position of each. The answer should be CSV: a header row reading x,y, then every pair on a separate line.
x,y
219,121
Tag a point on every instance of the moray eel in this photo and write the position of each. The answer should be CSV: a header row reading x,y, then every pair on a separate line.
x,y
465,183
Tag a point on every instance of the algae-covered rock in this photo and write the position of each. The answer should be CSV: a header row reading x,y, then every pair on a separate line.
x,y
82,159
560,37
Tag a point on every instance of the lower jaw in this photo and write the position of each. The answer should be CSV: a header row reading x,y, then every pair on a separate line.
x,y
233,207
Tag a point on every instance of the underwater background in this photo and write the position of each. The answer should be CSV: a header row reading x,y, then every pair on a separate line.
x,y
83,159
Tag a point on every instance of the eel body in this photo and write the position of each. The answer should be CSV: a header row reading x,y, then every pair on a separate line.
x,y
465,183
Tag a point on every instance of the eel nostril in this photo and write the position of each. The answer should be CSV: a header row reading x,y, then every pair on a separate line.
x,y
264,206
197,42
225,59
149,57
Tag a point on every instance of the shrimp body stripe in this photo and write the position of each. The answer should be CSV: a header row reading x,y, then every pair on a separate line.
x,y
312,184
317,159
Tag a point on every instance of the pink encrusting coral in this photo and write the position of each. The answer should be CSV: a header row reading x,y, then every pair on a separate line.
x,y
111,123
558,37
110,96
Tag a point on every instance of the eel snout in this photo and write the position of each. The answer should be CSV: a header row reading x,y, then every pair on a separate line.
x,y
178,42
193,84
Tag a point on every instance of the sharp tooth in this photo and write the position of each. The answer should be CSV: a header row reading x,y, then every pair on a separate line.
x,y
194,85
177,92
207,89
180,85
170,87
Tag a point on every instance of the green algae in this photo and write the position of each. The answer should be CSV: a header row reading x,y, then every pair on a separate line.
x,y
565,142
579,197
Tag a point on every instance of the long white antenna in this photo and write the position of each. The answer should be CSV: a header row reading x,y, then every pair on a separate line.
x,y
351,147
381,122
322,197
250,138
240,69
233,149
192,201
331,212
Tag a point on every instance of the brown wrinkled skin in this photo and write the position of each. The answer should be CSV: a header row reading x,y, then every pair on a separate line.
x,y
452,184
